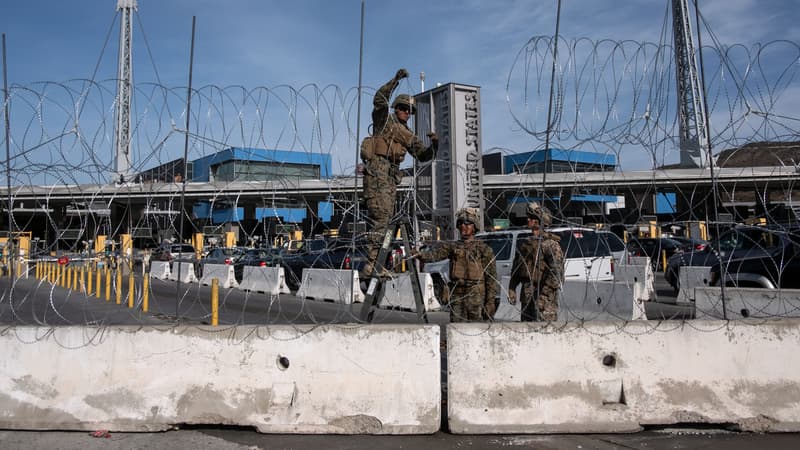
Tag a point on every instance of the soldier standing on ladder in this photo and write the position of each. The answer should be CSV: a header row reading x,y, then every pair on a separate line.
x,y
382,154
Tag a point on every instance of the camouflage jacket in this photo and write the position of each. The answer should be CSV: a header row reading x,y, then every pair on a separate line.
x,y
539,261
398,136
471,262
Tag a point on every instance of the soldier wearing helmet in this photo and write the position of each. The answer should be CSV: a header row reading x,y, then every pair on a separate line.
x,y
473,275
391,140
539,267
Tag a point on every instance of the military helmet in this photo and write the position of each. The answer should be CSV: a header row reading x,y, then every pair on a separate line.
x,y
537,211
405,99
469,215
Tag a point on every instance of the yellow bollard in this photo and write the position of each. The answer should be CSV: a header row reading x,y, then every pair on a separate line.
x,y
108,285
68,277
97,285
37,270
130,290
119,286
664,260
214,302
89,284
146,293
74,271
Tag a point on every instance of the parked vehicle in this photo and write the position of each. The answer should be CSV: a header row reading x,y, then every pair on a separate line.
x,y
691,244
751,256
587,256
654,248
616,245
171,252
337,254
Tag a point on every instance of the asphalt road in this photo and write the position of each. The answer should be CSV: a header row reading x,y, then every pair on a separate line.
x,y
34,302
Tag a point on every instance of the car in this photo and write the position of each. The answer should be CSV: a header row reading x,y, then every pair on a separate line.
x,y
171,252
750,256
587,255
691,244
654,248
615,245
342,253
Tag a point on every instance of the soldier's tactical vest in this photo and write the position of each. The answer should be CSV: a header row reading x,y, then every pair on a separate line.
x,y
466,264
373,146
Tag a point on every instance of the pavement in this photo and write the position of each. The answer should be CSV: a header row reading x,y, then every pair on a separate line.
x,y
246,439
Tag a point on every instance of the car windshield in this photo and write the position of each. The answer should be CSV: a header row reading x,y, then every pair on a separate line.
x,y
582,244
613,241
500,244
748,239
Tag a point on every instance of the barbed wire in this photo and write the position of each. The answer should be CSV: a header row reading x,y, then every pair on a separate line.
x,y
612,98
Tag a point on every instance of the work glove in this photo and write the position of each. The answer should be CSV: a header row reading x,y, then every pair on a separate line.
x,y
402,73
512,296
434,139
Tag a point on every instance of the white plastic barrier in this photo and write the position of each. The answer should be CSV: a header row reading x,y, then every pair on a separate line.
x,y
160,270
742,303
599,300
269,280
187,272
606,377
639,261
690,277
279,379
399,293
222,272
640,275
339,286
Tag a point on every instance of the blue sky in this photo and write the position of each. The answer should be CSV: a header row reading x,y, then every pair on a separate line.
x,y
271,43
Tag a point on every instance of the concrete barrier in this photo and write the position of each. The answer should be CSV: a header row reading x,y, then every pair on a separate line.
x,y
269,280
599,300
689,278
187,272
222,272
339,286
399,293
641,276
606,377
378,379
743,303
159,270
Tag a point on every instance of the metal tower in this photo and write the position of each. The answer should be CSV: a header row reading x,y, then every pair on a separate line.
x,y
694,146
122,144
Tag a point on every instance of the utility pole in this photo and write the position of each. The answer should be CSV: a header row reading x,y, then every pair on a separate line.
x,y
694,141
122,144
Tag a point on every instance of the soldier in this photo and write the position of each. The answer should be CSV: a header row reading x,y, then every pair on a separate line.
x,y
539,266
473,275
382,154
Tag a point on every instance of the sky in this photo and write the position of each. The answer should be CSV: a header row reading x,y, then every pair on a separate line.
x,y
271,43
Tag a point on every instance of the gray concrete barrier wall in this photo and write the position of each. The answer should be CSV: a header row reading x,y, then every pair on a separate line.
x,y
743,303
606,377
279,379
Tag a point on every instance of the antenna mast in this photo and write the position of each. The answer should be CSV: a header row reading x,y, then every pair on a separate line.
x,y
122,144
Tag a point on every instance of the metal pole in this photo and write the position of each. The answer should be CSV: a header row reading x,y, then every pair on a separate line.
x,y
723,273
9,246
356,208
185,167
550,105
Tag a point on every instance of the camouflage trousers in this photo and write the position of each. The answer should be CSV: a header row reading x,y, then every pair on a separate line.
x,y
381,178
539,303
466,303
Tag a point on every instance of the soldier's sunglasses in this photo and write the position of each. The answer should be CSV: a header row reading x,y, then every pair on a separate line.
x,y
404,108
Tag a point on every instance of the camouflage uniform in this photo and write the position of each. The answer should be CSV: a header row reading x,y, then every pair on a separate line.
x,y
473,278
539,266
382,171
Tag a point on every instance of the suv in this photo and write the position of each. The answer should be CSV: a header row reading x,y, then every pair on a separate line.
x,y
752,256
586,255
504,245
